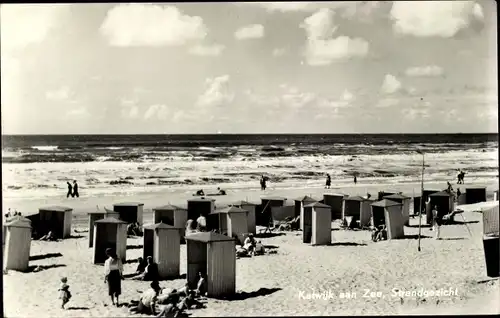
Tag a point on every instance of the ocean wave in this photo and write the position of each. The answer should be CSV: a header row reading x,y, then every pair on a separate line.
x,y
45,148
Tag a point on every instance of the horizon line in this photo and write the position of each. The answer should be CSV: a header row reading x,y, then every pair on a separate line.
x,y
229,134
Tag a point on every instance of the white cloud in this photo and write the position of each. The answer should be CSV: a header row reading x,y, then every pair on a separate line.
x,y
207,50
279,52
284,6
422,71
24,24
344,101
321,48
347,96
60,94
391,84
296,99
79,112
217,92
387,102
160,111
414,113
151,25
254,31
433,18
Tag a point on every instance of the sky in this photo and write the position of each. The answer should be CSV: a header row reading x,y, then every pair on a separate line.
x,y
270,67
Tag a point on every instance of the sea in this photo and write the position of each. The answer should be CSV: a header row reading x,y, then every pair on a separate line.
x,y
40,165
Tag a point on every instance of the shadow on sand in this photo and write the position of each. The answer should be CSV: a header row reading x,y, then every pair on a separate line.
x,y
422,226
414,237
134,247
75,236
258,293
456,222
346,244
78,308
44,256
39,268
452,239
270,247
268,235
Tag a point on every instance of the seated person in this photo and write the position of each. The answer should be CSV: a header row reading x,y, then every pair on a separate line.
x,y
259,249
221,192
147,303
201,288
200,192
48,237
250,243
188,302
150,272
241,252
190,227
201,223
141,266
185,291
169,298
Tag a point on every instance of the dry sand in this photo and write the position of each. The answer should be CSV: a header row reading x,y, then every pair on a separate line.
x,y
353,263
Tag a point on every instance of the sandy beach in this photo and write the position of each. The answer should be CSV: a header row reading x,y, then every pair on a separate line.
x,y
351,266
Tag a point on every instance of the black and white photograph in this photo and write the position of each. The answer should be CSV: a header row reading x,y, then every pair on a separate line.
x,y
197,159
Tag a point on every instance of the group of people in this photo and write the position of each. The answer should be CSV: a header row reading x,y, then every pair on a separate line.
x,y
174,302
219,192
134,229
460,177
251,247
328,182
379,233
9,214
72,190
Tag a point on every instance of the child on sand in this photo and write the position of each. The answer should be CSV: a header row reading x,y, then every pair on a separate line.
x,y
64,293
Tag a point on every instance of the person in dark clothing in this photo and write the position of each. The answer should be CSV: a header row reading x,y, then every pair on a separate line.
x,y
221,192
200,192
141,267
263,183
450,188
328,181
70,190
458,192
150,272
75,190
355,180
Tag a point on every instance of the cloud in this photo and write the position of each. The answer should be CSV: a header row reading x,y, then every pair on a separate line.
x,y
24,24
60,94
160,111
295,99
433,18
79,112
207,50
321,48
279,52
151,25
217,92
391,84
387,102
283,6
254,31
415,113
423,71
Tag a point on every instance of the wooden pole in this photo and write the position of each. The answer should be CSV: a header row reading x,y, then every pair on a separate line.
x,y
421,198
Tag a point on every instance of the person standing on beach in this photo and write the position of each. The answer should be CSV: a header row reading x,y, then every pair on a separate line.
x,y
75,190
355,180
70,190
436,222
328,181
113,271
263,183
